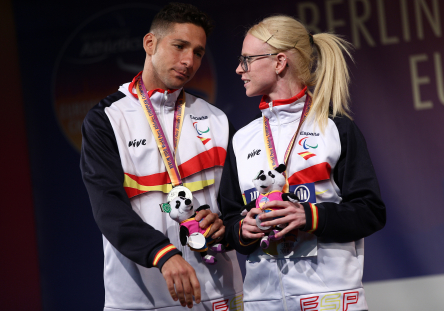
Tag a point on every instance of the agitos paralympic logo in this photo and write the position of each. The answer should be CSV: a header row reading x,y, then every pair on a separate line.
x,y
303,143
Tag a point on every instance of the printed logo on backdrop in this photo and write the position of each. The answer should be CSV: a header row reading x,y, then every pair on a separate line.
x,y
102,53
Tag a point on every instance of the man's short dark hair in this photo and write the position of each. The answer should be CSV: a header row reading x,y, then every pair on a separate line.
x,y
180,13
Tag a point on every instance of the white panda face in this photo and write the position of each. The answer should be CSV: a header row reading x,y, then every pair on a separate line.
x,y
181,209
267,181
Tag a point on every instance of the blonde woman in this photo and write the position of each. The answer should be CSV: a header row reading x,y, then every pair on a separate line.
x,y
316,261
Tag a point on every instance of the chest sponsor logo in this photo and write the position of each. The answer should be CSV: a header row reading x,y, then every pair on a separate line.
x,y
306,144
305,192
334,301
253,153
137,143
250,195
198,118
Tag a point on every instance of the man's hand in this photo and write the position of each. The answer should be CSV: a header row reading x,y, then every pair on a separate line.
x,y
290,213
249,226
217,231
178,273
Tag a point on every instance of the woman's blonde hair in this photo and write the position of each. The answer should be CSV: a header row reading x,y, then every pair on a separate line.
x,y
322,52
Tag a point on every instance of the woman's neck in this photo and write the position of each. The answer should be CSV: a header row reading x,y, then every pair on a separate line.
x,y
284,89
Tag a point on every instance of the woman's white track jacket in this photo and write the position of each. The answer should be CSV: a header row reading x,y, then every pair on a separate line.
x,y
332,174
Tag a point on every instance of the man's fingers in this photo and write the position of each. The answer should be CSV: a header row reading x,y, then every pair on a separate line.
x,y
187,291
202,214
180,290
217,230
181,281
170,284
196,287
208,220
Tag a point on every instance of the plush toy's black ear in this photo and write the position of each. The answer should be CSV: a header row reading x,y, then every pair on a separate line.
x,y
181,194
281,168
203,207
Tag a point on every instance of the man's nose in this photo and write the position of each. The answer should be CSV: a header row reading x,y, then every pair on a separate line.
x,y
188,58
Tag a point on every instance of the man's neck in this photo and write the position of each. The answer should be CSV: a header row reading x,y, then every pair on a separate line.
x,y
151,81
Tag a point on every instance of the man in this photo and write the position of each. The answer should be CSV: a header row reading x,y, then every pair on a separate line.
x,y
128,171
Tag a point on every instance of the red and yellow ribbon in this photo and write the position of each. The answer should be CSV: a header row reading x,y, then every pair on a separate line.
x,y
159,135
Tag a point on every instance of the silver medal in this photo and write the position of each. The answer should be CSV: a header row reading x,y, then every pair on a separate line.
x,y
259,222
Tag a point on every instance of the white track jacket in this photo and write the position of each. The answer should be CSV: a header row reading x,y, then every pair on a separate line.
x,y
126,180
319,267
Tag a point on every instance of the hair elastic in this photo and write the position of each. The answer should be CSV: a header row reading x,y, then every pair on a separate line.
x,y
310,37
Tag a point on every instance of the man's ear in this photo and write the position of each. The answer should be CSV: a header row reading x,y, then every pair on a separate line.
x,y
149,43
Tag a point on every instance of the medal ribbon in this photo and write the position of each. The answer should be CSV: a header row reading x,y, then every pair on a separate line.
x,y
269,142
159,135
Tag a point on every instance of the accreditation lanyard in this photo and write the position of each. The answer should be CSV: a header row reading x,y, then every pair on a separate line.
x,y
269,142
162,143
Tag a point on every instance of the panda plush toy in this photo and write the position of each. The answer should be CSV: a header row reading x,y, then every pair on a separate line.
x,y
269,184
182,211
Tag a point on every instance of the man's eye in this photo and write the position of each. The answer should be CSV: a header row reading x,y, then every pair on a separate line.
x,y
199,54
180,47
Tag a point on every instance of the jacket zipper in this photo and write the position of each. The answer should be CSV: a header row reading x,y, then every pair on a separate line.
x,y
162,105
284,301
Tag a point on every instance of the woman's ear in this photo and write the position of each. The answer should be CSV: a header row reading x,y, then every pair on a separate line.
x,y
281,63
149,43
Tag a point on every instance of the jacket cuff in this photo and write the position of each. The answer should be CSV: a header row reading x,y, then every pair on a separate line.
x,y
163,253
315,218
242,241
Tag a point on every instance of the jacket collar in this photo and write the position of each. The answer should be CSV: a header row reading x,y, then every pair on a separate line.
x,y
284,111
155,95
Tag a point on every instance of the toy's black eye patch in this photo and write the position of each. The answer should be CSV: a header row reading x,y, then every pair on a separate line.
x,y
259,174
177,204
271,174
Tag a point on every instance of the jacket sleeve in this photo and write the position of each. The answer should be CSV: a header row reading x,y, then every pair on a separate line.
x,y
232,205
103,176
362,211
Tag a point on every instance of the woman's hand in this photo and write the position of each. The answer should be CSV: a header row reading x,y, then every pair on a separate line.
x,y
249,227
289,213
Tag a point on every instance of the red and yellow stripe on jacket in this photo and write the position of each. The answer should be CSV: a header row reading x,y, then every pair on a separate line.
x,y
135,185
162,253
